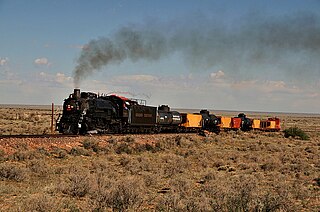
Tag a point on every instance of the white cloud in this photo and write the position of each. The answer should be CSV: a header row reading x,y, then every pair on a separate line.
x,y
217,75
313,95
244,84
4,61
279,86
265,86
60,78
182,92
42,61
11,82
276,84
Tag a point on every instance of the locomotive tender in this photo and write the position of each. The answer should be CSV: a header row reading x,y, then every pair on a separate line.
x,y
87,112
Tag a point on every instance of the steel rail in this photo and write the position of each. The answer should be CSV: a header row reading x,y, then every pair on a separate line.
x,y
37,136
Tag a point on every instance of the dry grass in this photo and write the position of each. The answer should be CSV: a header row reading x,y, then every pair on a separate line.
x,y
234,171
25,121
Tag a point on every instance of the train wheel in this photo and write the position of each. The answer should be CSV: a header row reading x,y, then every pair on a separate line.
x,y
73,129
84,129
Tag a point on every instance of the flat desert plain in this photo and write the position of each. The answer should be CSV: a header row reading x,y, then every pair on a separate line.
x,y
232,171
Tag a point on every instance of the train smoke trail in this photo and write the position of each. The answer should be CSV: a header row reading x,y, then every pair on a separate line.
x,y
128,43
256,45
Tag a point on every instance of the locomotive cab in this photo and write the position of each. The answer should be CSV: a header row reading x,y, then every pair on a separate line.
x,y
123,104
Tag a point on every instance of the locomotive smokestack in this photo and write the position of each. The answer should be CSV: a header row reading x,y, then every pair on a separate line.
x,y
76,93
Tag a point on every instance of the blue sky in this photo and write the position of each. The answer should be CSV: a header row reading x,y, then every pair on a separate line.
x,y
219,56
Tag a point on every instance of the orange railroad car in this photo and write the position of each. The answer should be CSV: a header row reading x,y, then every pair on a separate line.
x,y
191,121
229,123
271,124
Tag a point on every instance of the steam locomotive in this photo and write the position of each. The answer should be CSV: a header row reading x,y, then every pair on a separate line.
x,y
86,112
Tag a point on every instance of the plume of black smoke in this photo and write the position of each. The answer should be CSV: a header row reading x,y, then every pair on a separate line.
x,y
128,43
257,45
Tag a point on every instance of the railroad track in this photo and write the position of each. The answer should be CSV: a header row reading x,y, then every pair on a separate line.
x,y
38,136
64,136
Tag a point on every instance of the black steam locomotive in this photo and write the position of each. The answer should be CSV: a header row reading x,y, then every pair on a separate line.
x,y
88,112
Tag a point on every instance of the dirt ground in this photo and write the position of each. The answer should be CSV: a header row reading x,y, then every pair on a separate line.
x,y
232,171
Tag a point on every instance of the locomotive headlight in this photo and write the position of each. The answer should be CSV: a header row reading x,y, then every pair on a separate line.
x,y
215,121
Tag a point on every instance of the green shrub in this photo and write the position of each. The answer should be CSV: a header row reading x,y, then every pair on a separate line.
x,y
295,132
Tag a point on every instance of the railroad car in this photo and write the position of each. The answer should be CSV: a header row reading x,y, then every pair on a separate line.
x,y
271,124
246,123
210,122
236,123
168,120
277,122
229,123
191,122
256,124
225,122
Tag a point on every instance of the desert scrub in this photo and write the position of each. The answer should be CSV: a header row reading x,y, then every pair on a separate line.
x,y
59,153
122,195
122,147
295,132
126,194
41,202
2,155
174,164
11,171
77,184
39,167
100,192
91,144
78,151
171,202
23,155
128,139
